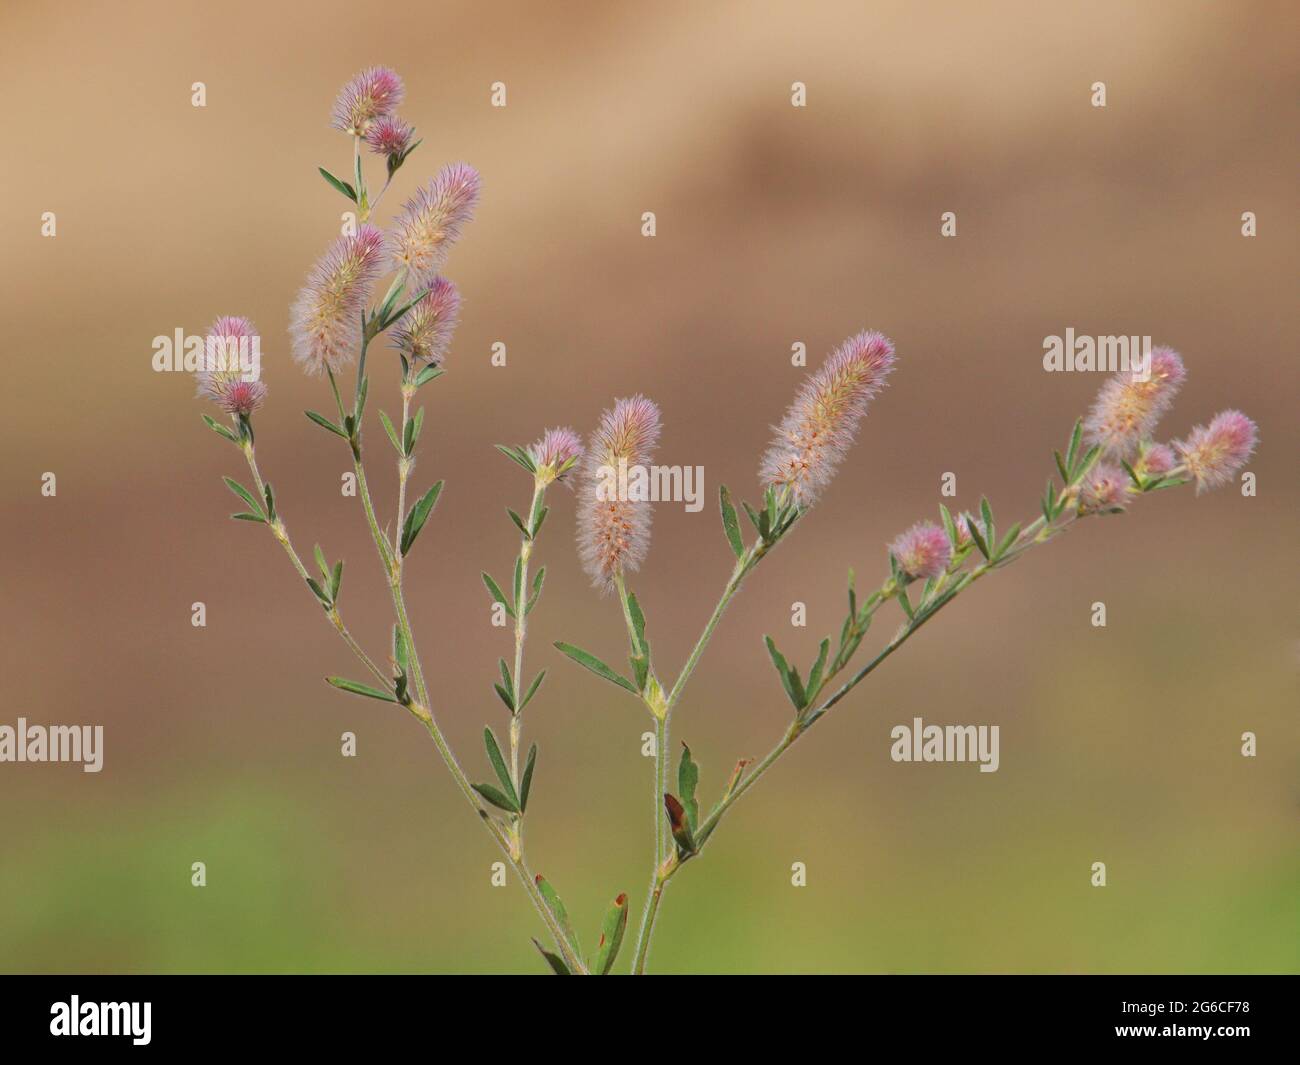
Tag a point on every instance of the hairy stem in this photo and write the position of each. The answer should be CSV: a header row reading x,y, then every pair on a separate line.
x,y
282,535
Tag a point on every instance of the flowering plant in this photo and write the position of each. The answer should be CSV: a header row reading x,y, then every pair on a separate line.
x,y
1111,459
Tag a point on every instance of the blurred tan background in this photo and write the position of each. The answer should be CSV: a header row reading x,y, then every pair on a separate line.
x,y
775,225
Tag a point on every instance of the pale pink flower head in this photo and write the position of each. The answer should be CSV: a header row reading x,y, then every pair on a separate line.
x,y
325,323
962,524
819,427
613,511
923,551
231,354
388,136
423,334
1213,454
432,219
1104,488
1130,404
1155,461
373,94
555,454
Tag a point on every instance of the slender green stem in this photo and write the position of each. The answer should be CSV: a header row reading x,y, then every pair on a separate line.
x,y
282,535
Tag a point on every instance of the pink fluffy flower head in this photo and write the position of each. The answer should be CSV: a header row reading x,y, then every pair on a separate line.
x,y
424,332
325,324
1213,454
1104,488
555,454
230,341
388,136
432,219
1130,404
923,551
1155,460
373,94
614,526
819,427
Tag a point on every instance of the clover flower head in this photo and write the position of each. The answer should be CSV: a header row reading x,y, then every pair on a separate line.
x,y
228,344
614,523
432,219
1104,488
555,454
388,136
1131,403
373,94
423,334
325,322
1213,454
819,426
923,551
1155,460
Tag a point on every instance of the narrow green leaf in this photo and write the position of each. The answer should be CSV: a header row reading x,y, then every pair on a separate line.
x,y
526,782
429,373
341,186
499,764
506,680
755,520
321,563
495,797
611,936
536,526
591,662
325,423
519,524
949,526
245,495
973,527
249,517
1072,452
1008,540
986,512
1062,467
494,590
336,580
519,456
815,675
553,960
219,429
532,688
557,909
386,422
319,592
360,689
638,619
538,579
789,682
688,778
505,697
730,524
418,515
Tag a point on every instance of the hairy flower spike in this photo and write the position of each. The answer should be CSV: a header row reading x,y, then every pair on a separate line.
x,y
613,511
1130,404
1155,460
1104,488
229,342
555,454
1213,454
373,94
431,220
424,332
388,136
923,551
820,425
325,324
